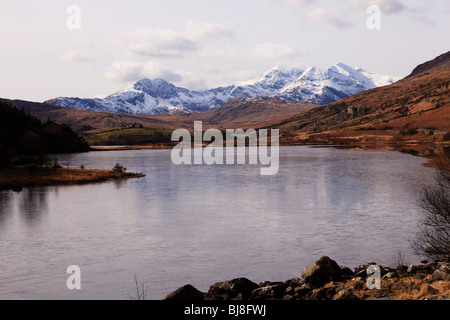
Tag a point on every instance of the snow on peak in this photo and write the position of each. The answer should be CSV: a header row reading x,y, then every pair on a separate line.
x,y
158,96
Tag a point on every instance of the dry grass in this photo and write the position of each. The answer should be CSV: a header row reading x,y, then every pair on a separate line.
x,y
16,176
406,288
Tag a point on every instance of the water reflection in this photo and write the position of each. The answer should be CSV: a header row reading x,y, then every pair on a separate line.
x,y
5,207
33,204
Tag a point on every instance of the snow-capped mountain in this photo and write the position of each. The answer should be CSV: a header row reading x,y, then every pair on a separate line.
x,y
337,82
160,97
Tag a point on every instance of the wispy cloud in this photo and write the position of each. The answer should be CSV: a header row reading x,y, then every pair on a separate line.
x,y
126,71
391,7
295,3
327,18
166,43
269,50
74,56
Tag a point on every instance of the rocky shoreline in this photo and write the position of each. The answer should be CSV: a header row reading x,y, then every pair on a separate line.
x,y
326,280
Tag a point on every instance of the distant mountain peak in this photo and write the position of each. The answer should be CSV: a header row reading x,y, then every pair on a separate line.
x,y
157,96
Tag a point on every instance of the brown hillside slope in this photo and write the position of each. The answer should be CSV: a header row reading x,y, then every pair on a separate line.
x,y
413,110
236,113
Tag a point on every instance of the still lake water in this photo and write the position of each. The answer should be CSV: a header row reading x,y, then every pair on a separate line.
x,y
204,224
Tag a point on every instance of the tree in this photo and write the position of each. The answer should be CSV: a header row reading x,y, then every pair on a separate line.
x,y
433,237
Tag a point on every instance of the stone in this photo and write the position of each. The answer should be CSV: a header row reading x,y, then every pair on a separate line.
x,y
294,283
230,290
412,269
441,272
316,294
346,273
426,268
185,293
390,275
321,272
302,291
346,294
420,276
273,292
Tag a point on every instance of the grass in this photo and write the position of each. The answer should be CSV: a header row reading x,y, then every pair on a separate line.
x,y
114,136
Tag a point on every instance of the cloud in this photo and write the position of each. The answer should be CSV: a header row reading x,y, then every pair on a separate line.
x,y
169,43
74,56
269,50
391,7
127,71
327,18
295,3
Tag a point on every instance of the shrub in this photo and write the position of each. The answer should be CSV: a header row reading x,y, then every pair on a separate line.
x,y
433,238
119,168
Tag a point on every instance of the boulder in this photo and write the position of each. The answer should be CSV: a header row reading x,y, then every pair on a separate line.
x,y
185,293
346,273
294,283
321,272
441,272
346,294
271,292
231,289
412,269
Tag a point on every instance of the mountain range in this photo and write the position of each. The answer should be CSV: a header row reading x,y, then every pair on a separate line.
x,y
147,97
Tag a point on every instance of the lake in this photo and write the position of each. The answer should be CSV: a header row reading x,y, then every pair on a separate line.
x,y
203,224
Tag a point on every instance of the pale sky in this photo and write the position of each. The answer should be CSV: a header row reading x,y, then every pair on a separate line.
x,y
201,44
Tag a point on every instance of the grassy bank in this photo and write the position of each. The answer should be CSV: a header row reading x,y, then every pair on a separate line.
x,y
17,177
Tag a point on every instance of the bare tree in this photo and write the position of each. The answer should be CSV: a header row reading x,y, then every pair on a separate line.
x,y
141,289
433,238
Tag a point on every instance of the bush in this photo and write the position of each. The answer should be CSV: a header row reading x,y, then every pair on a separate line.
x,y
119,168
433,238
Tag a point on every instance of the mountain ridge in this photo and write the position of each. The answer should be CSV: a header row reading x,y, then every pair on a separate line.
x,y
158,96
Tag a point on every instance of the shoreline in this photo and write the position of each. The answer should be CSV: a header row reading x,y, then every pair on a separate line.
x,y
326,280
429,151
17,177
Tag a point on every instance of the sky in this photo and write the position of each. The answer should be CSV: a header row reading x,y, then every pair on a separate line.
x,y
78,48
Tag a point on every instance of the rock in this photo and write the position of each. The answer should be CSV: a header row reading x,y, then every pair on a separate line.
x,y
230,290
316,294
426,268
294,283
390,275
412,269
441,272
402,271
420,276
346,273
321,272
274,292
185,293
360,271
302,291
346,294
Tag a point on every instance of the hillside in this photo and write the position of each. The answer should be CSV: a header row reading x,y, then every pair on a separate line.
x,y
25,139
415,109
235,113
